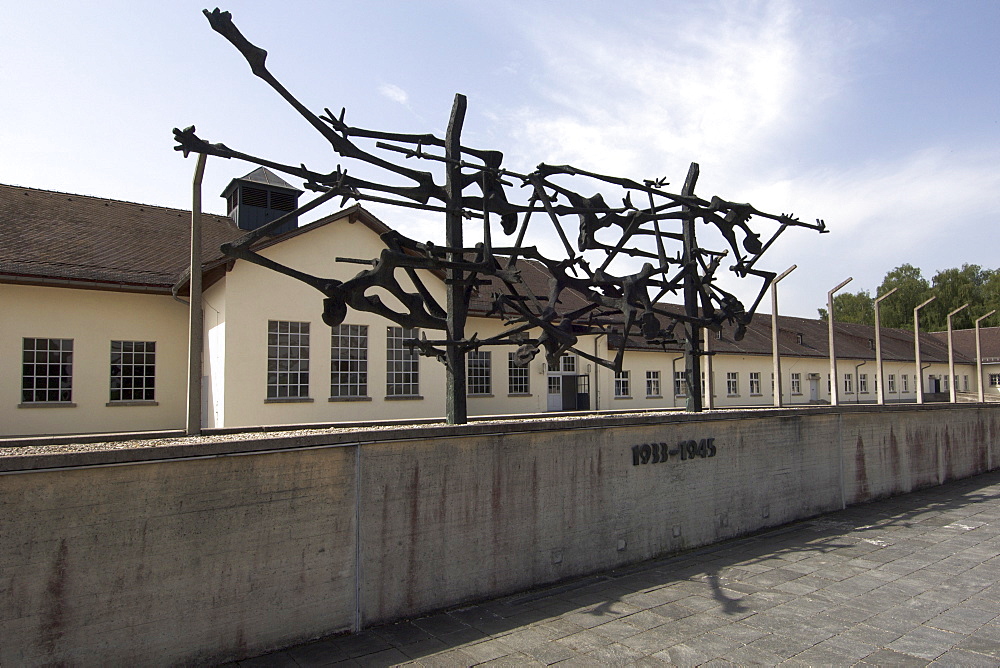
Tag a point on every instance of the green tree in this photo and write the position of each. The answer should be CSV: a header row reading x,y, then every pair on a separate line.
x,y
857,307
954,287
912,289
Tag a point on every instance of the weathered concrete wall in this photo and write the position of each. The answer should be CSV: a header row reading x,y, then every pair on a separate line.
x,y
200,553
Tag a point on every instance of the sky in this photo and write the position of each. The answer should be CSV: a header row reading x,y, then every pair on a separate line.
x,y
881,118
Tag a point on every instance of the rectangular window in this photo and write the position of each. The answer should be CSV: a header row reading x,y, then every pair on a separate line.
x,y
402,374
848,383
796,383
622,388
704,392
755,382
863,383
568,363
287,359
906,382
945,380
891,383
965,383
47,371
133,370
518,378
732,383
653,383
349,361
480,372
995,380
680,384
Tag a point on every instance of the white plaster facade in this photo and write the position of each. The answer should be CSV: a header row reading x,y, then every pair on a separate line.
x,y
241,298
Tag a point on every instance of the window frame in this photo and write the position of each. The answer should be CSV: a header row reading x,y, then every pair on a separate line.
x,y
145,360
518,378
479,373
279,352
349,363
653,386
623,389
732,383
57,382
402,364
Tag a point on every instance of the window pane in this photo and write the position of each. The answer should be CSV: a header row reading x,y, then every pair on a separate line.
x,y
47,370
402,363
349,361
288,350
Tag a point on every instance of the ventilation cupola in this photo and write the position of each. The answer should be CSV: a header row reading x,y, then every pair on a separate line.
x,y
260,197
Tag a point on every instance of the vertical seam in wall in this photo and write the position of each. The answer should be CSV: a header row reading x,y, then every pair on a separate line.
x,y
989,438
840,447
356,626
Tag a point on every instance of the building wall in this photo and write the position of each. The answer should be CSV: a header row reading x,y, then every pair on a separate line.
x,y
92,319
237,310
255,295
638,363
205,553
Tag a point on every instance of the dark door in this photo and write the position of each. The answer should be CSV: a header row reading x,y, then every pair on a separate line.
x,y
583,393
569,393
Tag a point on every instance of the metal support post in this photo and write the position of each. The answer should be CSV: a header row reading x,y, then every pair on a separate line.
x,y
952,390
775,356
880,387
916,349
833,352
196,334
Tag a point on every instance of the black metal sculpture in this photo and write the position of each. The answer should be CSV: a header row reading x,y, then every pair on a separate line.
x,y
629,303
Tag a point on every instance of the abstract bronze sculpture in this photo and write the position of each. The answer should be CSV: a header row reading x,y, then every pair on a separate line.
x,y
628,303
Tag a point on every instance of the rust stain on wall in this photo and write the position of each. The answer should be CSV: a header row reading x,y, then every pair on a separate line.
x,y
54,618
895,465
861,471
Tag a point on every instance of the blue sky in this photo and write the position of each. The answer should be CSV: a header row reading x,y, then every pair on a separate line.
x,y
883,118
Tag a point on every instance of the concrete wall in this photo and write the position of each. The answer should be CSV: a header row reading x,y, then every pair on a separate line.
x,y
198,553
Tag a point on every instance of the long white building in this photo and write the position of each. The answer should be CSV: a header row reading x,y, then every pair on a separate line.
x,y
94,337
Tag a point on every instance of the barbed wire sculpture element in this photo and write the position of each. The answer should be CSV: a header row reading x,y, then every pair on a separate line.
x,y
476,188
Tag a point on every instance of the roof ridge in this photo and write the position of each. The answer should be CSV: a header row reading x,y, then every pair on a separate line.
x,y
107,199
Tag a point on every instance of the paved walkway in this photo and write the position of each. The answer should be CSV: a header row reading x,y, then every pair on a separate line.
x,y
908,581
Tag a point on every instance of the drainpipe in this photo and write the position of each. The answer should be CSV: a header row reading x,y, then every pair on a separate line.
x,y
775,357
597,384
857,382
880,390
916,349
952,390
833,354
195,325
979,358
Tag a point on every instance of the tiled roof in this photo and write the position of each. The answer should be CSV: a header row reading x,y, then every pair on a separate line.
x,y
265,177
47,235
964,341
852,341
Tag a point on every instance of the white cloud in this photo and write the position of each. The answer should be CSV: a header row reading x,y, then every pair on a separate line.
x,y
739,89
652,94
394,93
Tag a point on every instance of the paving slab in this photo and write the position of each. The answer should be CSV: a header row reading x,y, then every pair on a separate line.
x,y
911,580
